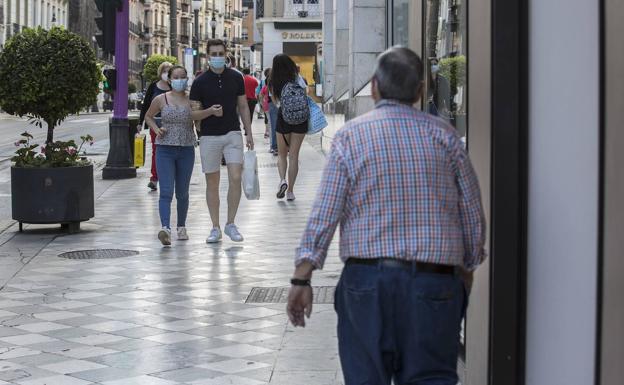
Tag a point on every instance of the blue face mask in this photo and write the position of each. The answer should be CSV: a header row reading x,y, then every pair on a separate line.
x,y
217,62
179,84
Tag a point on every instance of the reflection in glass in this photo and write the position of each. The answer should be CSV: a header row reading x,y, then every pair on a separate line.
x,y
446,50
400,22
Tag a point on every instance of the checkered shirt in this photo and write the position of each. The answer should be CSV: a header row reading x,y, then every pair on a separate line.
x,y
401,185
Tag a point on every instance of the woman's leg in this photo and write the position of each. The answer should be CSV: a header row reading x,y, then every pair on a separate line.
x,y
295,141
282,151
184,170
165,165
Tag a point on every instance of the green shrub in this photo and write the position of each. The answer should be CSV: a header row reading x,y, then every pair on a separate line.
x,y
47,75
150,71
132,88
454,69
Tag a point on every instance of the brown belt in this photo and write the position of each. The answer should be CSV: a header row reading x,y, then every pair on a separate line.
x,y
422,267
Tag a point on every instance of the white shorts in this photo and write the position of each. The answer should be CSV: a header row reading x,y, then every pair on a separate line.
x,y
212,148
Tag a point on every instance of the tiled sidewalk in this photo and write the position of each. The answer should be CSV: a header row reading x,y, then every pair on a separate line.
x,y
167,315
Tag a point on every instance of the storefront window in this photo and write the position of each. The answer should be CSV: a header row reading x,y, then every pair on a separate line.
x,y
445,52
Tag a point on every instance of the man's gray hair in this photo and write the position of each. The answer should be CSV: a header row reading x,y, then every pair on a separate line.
x,y
399,75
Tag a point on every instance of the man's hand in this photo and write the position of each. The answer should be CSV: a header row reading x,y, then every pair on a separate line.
x,y
467,277
299,304
216,110
250,142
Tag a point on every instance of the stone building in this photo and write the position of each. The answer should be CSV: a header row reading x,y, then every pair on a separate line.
x,y
16,15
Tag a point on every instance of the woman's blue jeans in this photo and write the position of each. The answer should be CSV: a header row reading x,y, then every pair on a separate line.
x,y
273,111
174,165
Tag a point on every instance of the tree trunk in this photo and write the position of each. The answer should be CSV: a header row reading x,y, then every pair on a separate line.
x,y
50,132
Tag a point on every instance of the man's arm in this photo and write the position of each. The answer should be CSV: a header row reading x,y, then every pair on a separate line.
x,y
327,211
243,110
326,214
197,106
471,212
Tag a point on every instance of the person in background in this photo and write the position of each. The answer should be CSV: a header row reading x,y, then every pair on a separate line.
x,y
410,236
264,100
251,83
175,157
300,79
292,101
158,87
273,111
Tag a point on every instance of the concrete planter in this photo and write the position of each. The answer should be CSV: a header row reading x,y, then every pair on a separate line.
x,y
53,195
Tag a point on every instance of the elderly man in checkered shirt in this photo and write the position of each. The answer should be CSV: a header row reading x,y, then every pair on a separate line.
x,y
412,229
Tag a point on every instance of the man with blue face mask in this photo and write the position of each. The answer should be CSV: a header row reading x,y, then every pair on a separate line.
x,y
223,90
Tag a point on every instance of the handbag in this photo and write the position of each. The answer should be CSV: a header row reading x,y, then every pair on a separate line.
x,y
251,183
139,150
317,121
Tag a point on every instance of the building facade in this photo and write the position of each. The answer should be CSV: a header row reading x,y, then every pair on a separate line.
x,y
227,16
249,52
19,14
293,27
545,307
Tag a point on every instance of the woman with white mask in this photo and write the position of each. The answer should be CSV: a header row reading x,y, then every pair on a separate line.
x,y
158,87
175,154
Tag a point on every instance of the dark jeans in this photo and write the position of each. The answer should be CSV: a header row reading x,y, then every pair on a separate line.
x,y
398,325
175,167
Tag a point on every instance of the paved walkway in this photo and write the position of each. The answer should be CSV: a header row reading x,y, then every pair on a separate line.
x,y
167,315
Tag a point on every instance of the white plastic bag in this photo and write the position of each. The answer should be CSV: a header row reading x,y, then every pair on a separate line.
x,y
251,183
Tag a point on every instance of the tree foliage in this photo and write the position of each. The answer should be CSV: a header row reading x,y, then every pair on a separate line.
x,y
47,75
150,71
454,69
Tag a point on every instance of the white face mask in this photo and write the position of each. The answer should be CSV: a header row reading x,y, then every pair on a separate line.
x,y
164,76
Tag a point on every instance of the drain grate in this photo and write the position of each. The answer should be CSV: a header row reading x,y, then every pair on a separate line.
x,y
98,254
267,164
322,294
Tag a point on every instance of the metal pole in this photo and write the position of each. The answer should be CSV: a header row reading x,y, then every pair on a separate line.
x,y
119,164
196,40
122,37
173,21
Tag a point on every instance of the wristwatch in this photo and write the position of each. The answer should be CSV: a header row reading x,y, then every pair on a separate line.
x,y
300,282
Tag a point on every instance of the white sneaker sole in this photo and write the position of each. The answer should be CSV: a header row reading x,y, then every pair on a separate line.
x,y
164,238
281,193
209,241
236,240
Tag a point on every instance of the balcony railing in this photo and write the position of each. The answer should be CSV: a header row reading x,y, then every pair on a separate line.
x,y
228,16
136,29
160,30
306,10
184,39
135,66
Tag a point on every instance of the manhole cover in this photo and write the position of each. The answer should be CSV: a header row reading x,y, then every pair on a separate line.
x,y
322,294
98,254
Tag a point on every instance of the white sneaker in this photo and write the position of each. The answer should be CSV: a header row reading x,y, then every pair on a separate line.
x,y
232,231
215,235
182,235
165,236
290,196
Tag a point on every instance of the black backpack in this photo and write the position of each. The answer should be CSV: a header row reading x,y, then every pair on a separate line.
x,y
294,104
